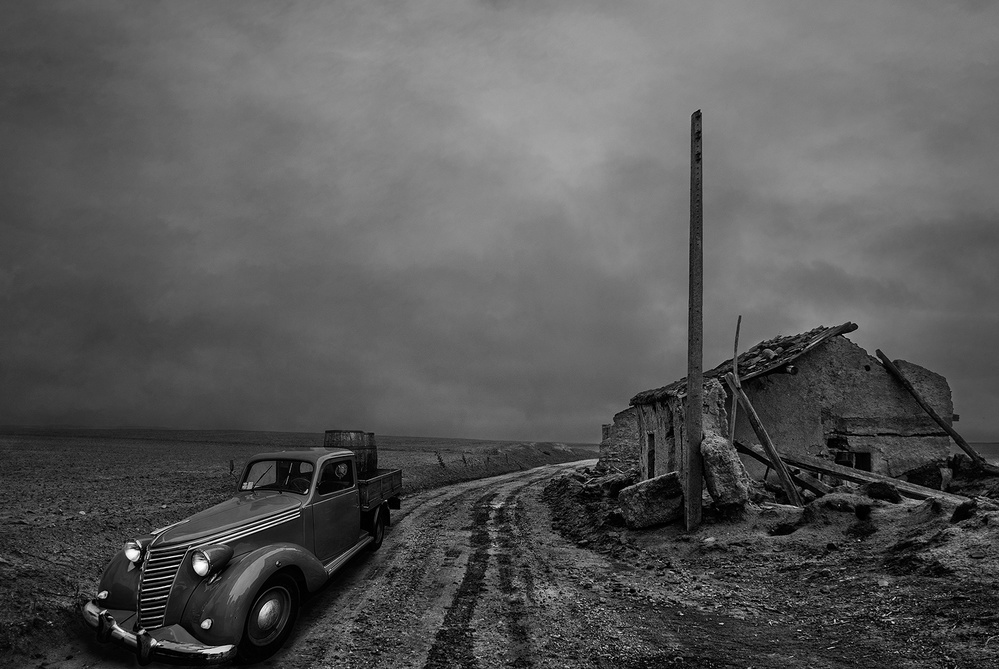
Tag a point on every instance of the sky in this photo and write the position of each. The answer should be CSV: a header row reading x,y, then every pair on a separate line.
x,y
469,218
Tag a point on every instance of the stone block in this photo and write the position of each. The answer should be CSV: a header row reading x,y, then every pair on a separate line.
x,y
656,501
724,473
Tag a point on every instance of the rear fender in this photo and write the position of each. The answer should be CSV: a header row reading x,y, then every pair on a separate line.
x,y
226,599
368,518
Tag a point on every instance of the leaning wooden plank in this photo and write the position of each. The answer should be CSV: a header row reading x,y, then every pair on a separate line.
x,y
858,476
809,482
761,433
735,374
976,457
806,481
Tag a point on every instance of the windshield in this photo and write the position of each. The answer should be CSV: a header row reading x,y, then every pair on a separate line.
x,y
290,475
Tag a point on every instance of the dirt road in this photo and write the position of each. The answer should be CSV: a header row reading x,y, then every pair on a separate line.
x,y
473,576
469,576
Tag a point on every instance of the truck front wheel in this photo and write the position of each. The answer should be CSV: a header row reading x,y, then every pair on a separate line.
x,y
270,619
378,529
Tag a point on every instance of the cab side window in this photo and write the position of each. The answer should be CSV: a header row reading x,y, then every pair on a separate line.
x,y
336,476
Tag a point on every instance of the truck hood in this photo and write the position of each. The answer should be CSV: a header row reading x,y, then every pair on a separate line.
x,y
223,520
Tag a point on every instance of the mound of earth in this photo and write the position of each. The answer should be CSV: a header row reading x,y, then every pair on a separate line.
x,y
850,567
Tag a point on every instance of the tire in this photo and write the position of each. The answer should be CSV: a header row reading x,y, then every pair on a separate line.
x,y
270,619
378,529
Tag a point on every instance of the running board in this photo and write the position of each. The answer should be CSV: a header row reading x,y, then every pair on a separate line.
x,y
340,561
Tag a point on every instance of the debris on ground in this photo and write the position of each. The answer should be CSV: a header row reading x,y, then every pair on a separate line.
x,y
919,575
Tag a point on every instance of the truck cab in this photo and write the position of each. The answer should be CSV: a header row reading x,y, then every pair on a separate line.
x,y
227,582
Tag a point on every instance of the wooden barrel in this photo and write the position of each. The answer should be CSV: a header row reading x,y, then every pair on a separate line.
x,y
370,455
362,443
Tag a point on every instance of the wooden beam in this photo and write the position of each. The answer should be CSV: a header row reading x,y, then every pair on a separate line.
x,y
805,481
738,384
858,476
975,456
768,445
695,379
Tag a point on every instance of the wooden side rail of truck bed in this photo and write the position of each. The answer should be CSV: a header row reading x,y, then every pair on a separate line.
x,y
383,485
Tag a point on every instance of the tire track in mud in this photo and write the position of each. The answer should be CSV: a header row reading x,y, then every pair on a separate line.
x,y
393,583
414,603
493,536
452,646
516,610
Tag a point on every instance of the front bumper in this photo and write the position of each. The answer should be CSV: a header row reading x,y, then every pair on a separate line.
x,y
171,644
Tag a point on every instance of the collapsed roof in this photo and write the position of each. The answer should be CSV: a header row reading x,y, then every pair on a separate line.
x,y
764,358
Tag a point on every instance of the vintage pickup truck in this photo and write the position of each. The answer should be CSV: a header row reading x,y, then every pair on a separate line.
x,y
227,582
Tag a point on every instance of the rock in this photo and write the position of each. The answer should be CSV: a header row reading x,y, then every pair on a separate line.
x,y
964,511
946,476
924,512
841,502
883,491
614,483
656,501
861,529
724,473
614,518
782,529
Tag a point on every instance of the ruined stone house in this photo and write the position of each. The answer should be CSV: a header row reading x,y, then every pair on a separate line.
x,y
619,444
817,393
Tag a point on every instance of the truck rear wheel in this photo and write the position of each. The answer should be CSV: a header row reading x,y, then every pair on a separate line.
x,y
270,619
378,529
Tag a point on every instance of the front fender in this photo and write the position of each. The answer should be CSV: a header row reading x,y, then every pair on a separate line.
x,y
121,581
226,599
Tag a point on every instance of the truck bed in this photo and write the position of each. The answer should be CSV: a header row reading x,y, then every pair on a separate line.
x,y
379,486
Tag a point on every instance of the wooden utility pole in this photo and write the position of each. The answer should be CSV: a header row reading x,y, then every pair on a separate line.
x,y
695,334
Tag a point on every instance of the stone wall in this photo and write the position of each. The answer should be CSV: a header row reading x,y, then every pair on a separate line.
x,y
620,445
661,424
842,402
662,434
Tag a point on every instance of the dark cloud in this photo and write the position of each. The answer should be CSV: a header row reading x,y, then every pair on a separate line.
x,y
471,219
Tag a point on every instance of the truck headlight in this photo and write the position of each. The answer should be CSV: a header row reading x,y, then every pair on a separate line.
x,y
210,559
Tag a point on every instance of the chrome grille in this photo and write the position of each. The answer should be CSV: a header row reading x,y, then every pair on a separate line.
x,y
158,573
159,570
